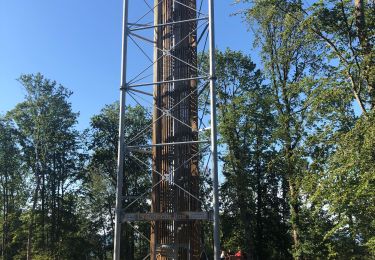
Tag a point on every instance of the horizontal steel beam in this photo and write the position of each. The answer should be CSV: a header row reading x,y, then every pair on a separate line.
x,y
141,92
164,82
140,150
168,24
167,144
171,247
131,197
175,216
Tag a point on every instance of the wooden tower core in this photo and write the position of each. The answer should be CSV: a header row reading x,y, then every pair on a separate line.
x,y
175,165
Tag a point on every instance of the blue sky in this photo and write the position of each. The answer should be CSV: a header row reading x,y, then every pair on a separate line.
x,y
78,44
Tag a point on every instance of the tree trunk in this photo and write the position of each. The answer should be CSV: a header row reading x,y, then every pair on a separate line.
x,y
31,223
360,22
259,206
290,172
35,198
294,218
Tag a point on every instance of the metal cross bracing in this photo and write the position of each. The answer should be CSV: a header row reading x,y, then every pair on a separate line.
x,y
166,76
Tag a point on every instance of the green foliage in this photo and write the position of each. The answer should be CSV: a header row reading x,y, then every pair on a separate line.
x,y
49,143
347,29
292,61
101,178
249,193
346,192
12,195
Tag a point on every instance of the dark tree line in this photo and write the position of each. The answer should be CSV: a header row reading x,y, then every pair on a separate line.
x,y
297,149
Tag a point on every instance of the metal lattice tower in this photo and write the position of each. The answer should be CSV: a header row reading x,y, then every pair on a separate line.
x,y
179,29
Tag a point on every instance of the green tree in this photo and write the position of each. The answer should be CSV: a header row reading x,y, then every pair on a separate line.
x,y
345,192
292,60
50,148
342,180
12,192
348,28
251,218
101,184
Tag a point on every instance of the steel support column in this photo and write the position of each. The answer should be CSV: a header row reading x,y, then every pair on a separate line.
x,y
121,141
214,162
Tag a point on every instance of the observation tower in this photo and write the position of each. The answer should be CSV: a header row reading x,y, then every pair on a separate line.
x,y
170,37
